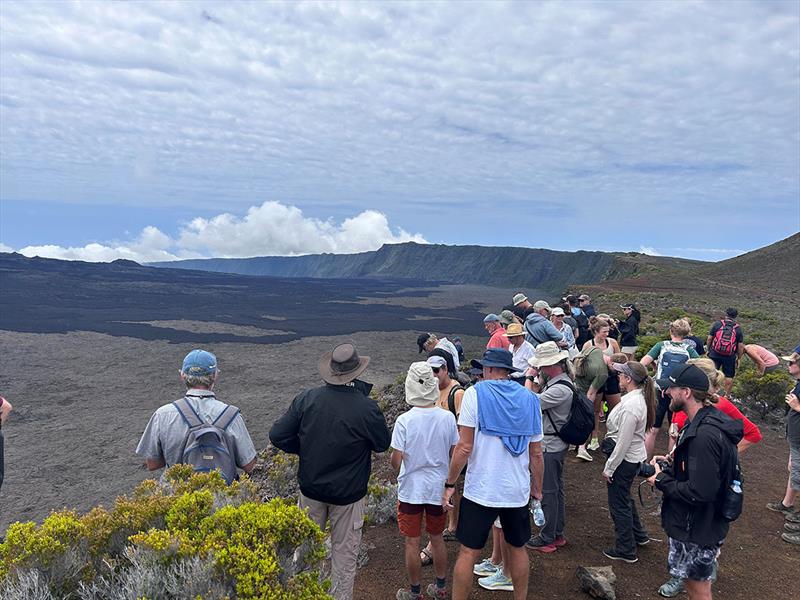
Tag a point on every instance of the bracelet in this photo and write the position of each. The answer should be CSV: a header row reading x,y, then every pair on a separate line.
x,y
449,485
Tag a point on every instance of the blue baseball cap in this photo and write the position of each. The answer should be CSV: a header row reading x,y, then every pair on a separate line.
x,y
199,363
491,317
498,358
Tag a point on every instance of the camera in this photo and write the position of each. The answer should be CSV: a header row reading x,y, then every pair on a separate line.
x,y
648,470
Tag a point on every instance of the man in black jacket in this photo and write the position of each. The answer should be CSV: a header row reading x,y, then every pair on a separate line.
x,y
696,482
335,428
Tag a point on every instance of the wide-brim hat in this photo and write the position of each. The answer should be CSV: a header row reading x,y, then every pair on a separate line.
x,y
514,330
793,357
498,358
422,387
342,364
547,354
518,299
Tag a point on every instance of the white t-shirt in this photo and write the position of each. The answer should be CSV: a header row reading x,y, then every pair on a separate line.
x,y
424,436
446,344
495,477
521,355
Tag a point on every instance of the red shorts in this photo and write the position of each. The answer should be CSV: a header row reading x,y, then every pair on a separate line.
x,y
409,519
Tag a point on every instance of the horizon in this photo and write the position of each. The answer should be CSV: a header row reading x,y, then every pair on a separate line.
x,y
166,131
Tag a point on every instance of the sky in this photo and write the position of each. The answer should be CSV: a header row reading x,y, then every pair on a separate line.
x,y
165,130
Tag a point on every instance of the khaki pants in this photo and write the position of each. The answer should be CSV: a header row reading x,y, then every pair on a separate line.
x,y
346,523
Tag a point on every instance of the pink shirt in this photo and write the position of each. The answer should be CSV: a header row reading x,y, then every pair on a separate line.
x,y
764,355
498,339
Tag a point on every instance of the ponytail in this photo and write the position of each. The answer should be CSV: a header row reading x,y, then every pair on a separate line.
x,y
649,389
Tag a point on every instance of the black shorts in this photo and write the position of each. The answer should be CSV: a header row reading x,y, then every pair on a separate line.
x,y
726,364
475,523
662,409
612,384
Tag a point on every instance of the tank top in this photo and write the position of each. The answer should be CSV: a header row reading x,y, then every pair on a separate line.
x,y
608,351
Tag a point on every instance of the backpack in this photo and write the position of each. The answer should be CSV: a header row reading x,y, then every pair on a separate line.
x,y
451,399
724,342
583,328
208,446
579,363
580,423
672,355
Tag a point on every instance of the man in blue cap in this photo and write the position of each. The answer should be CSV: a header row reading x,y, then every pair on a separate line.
x,y
504,472
164,441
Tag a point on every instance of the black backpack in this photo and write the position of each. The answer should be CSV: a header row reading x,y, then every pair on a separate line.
x,y
580,423
451,399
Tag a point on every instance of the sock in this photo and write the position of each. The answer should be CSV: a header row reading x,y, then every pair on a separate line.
x,y
416,589
441,583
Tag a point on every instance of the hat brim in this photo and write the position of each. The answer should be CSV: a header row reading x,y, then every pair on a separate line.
x,y
496,365
537,362
328,376
791,357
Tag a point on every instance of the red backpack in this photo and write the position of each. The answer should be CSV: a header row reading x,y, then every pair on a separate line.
x,y
724,342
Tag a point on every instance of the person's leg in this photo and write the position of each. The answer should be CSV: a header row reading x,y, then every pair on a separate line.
x,y
662,408
317,511
561,521
413,564
553,469
497,546
346,525
2,461
619,505
594,442
439,556
474,523
698,590
518,569
793,485
435,519
462,572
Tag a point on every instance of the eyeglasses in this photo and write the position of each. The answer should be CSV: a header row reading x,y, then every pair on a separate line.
x,y
436,369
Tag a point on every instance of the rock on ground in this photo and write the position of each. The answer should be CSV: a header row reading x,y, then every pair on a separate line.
x,y
598,582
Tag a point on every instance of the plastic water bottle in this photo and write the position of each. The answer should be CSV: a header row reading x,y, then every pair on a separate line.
x,y
736,486
537,512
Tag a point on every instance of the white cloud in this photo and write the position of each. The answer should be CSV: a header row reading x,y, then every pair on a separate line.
x,y
4,248
272,229
649,250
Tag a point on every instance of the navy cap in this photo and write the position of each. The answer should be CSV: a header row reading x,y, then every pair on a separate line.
x,y
688,376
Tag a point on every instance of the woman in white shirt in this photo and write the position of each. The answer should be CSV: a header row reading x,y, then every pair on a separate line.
x,y
624,445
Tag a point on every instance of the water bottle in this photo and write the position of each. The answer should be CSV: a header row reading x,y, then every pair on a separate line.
x,y
537,512
736,486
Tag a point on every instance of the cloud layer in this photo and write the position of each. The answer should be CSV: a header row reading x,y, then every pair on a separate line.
x,y
272,229
484,120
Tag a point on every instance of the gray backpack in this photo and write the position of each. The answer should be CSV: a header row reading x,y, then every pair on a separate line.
x,y
208,446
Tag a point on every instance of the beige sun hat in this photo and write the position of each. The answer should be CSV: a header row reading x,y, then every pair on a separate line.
x,y
422,386
547,354
514,330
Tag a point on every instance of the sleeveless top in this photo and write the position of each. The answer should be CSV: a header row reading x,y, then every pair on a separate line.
x,y
608,351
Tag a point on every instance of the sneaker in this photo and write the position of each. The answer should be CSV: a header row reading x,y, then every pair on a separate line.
x,y
672,588
614,555
792,538
793,517
584,455
537,543
498,581
593,445
485,567
407,594
792,527
643,542
560,541
435,592
779,507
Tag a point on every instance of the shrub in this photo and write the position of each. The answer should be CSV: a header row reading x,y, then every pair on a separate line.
x,y
764,393
193,537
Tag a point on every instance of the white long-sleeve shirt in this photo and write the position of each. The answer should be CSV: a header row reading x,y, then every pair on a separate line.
x,y
627,425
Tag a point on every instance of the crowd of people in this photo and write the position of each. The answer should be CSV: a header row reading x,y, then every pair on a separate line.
x,y
481,450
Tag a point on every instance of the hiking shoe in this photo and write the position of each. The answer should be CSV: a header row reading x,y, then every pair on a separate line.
x,y
792,538
792,527
485,567
672,588
560,541
498,581
643,542
593,445
407,594
793,517
435,592
537,543
614,555
584,455
779,507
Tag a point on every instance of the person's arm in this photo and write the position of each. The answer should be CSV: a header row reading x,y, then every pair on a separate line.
x,y
249,466
150,445
536,462
457,398
5,410
396,459
702,485
461,453
554,334
627,428
652,355
601,371
376,430
284,432
739,343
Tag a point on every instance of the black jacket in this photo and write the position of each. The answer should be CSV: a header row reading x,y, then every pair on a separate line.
x,y
334,429
701,469
629,329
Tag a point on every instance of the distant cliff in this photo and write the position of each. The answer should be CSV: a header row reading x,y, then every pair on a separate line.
x,y
531,268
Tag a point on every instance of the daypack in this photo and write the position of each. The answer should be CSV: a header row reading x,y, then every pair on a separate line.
x,y
729,505
580,423
672,355
579,363
724,341
208,446
583,328
451,399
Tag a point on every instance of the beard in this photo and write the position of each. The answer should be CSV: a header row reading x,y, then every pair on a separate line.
x,y
676,404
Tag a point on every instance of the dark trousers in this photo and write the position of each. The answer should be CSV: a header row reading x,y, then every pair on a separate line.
x,y
553,495
627,526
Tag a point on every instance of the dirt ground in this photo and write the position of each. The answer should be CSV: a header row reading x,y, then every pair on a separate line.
x,y
755,563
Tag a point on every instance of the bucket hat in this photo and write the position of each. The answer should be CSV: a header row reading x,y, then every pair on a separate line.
x,y
506,318
547,354
422,387
342,364
518,299
498,358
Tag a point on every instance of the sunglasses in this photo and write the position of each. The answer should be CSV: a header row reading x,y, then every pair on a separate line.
x,y
436,369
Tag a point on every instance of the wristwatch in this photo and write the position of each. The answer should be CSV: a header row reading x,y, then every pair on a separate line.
x,y
449,485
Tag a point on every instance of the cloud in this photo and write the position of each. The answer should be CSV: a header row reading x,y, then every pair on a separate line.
x,y
272,229
4,248
649,250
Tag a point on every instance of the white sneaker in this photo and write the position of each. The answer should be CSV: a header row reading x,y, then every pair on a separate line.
x,y
485,567
593,445
498,581
584,455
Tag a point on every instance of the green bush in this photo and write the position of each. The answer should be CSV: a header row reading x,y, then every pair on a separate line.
x,y
645,343
192,537
763,392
